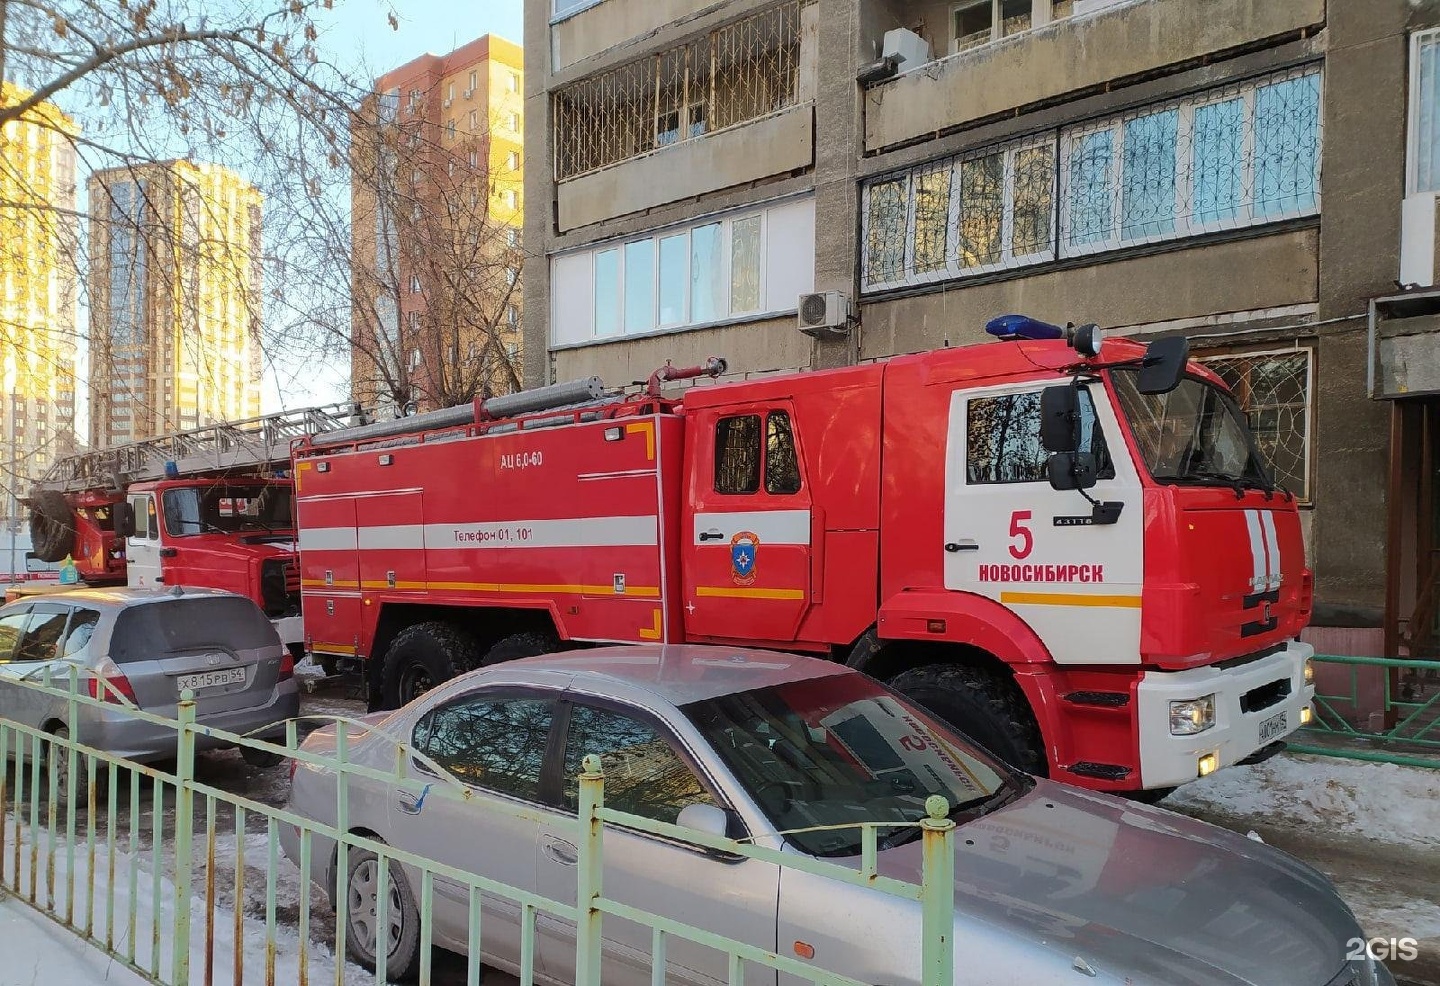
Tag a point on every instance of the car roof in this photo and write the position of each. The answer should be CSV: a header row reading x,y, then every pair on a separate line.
x,y
677,673
119,597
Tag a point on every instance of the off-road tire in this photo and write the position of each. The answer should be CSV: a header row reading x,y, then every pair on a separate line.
x,y
52,526
987,707
434,651
518,645
402,961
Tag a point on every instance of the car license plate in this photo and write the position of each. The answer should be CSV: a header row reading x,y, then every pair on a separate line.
x,y
209,679
1273,727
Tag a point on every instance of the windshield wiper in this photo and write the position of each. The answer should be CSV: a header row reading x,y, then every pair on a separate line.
x,y
979,806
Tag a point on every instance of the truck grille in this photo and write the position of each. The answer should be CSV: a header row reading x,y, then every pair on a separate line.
x,y
1265,696
279,587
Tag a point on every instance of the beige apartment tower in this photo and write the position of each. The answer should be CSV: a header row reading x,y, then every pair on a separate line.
x,y
175,294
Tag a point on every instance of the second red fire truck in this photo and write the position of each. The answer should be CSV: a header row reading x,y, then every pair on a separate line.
x,y
1074,553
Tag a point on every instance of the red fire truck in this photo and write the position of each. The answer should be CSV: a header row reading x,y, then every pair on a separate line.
x,y
206,507
1074,553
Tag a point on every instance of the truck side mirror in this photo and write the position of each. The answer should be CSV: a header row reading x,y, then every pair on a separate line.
x,y
1071,470
1163,365
124,519
1060,418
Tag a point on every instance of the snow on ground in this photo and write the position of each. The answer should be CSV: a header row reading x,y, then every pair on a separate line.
x,y
1378,802
38,952
152,925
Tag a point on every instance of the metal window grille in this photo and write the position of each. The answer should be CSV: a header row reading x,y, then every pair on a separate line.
x,y
1222,159
733,75
1273,389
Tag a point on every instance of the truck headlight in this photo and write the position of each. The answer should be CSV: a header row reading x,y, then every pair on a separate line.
x,y
1192,716
1309,670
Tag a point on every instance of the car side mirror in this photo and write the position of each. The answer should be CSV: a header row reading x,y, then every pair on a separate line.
x,y
1060,418
1163,365
124,520
705,819
1071,470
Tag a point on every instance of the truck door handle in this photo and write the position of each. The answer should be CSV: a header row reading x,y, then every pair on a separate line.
x,y
953,546
712,536
562,852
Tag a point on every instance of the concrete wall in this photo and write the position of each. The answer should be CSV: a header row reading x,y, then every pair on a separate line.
x,y
1364,176
1072,55
749,348
1244,275
773,145
613,22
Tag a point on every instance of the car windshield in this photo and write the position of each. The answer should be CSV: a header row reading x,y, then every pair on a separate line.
x,y
1194,434
843,749
227,509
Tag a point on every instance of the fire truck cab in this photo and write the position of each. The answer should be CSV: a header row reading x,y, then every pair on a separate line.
x,y
1074,553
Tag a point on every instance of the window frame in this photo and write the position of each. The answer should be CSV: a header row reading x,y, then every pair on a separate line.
x,y
498,693
1188,222
1111,442
22,612
666,732
1419,40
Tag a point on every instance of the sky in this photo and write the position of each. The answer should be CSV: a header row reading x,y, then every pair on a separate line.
x,y
357,35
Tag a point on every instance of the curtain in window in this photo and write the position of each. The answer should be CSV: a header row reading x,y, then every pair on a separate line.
x,y
1426,100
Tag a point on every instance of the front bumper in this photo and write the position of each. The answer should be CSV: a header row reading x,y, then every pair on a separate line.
x,y
1167,760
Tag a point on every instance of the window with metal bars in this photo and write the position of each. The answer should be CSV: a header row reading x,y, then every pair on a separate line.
x,y
737,73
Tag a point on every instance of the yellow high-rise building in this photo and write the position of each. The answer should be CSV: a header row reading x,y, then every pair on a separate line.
x,y
39,282
436,207
175,282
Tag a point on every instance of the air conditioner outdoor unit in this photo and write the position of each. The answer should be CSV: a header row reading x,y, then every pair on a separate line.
x,y
469,93
825,314
911,49
446,105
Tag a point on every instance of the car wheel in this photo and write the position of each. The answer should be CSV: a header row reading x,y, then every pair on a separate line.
x,y
259,759
421,657
985,706
519,645
362,930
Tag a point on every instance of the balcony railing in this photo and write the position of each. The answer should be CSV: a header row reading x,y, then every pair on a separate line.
x,y
740,72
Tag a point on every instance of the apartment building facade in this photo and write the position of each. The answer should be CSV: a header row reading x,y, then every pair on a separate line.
x,y
39,289
175,299
1255,175
436,200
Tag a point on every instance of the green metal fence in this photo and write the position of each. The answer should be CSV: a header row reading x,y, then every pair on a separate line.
x,y
1404,693
158,880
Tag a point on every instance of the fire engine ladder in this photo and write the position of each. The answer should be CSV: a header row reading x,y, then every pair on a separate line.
x,y
235,446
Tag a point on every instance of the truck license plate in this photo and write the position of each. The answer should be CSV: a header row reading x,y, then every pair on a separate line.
x,y
229,676
1273,727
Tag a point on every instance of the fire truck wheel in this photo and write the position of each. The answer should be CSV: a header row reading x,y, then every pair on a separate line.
x,y
519,645
983,705
52,526
421,657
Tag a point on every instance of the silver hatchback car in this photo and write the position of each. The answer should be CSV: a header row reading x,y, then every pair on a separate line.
x,y
1054,885
148,645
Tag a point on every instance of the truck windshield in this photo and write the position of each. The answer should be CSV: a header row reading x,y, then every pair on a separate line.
x,y
1194,434
843,749
227,509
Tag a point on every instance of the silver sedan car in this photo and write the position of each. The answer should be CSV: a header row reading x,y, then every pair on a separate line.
x,y
147,645
1054,885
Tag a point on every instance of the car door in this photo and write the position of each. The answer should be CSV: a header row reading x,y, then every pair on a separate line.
x,y
12,628
649,772
36,646
496,742
142,548
1011,537
749,545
